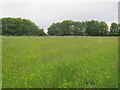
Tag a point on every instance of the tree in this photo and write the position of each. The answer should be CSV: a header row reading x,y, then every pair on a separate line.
x,y
80,28
54,29
92,28
96,28
60,28
20,27
103,28
119,29
67,27
114,29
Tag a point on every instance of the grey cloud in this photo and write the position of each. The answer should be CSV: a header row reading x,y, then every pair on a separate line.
x,y
45,13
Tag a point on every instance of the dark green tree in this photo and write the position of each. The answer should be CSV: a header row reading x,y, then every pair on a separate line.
x,y
114,31
20,27
119,29
54,29
80,29
103,29
96,28
67,27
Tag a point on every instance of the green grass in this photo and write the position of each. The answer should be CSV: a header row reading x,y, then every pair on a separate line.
x,y
60,62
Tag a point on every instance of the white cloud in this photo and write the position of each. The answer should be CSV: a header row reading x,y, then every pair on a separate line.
x,y
45,13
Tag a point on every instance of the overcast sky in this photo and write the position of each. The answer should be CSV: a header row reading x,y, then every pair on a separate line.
x,y
46,12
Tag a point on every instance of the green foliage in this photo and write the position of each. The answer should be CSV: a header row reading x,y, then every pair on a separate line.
x,y
20,27
96,28
69,27
24,27
80,29
103,29
114,30
119,29
60,62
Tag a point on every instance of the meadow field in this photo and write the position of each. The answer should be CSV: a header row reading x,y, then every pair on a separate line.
x,y
59,62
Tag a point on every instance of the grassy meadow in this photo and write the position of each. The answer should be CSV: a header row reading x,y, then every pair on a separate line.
x,y
59,62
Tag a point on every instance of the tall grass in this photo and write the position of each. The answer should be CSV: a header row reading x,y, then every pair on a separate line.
x,y
60,62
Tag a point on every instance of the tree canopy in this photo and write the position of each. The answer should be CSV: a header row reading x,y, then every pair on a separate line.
x,y
25,27
96,28
20,27
114,29
69,27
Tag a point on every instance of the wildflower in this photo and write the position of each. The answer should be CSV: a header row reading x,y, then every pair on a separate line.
x,y
110,84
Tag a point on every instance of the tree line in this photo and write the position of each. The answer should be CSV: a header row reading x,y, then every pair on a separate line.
x,y
87,28
25,27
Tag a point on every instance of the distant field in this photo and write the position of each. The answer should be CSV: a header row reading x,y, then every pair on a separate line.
x,y
60,62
